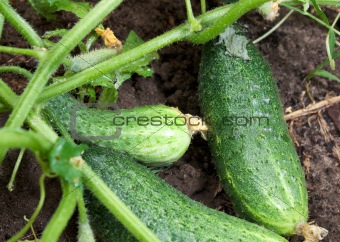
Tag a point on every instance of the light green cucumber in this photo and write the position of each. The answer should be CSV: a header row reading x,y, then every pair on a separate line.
x,y
171,215
156,135
254,154
87,60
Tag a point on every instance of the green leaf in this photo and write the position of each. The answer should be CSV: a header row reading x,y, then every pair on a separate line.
x,y
104,81
140,66
44,8
108,95
305,5
114,80
47,8
144,71
331,42
54,33
326,74
322,65
62,160
78,8
121,77
87,91
132,41
320,12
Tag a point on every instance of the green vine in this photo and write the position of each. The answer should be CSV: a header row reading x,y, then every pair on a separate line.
x,y
20,24
36,212
30,52
63,213
41,138
16,69
53,59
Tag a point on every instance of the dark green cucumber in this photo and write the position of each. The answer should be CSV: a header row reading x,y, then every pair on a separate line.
x,y
156,135
255,157
170,214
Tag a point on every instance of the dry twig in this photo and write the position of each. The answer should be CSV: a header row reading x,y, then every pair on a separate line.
x,y
312,108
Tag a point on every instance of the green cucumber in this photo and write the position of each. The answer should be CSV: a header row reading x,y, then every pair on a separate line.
x,y
156,135
170,214
87,60
248,137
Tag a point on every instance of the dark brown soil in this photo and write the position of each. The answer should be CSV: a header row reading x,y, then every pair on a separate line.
x,y
293,51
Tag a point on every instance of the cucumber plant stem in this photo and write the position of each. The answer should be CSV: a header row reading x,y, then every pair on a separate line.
x,y
240,8
17,236
9,98
37,124
15,170
4,108
19,138
62,215
274,28
116,206
16,69
51,61
203,6
13,50
20,24
2,22
176,34
194,24
84,228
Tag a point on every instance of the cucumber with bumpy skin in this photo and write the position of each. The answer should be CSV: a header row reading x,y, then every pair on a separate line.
x,y
170,214
249,140
156,135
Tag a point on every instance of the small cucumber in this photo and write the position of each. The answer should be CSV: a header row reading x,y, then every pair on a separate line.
x,y
255,157
156,135
87,60
170,214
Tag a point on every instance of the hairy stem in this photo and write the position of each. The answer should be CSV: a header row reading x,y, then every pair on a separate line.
x,y
2,22
51,61
85,233
19,138
20,24
10,99
35,214
15,170
62,215
203,6
13,50
16,69
85,76
194,24
240,8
